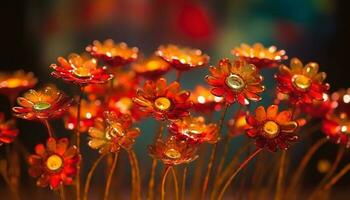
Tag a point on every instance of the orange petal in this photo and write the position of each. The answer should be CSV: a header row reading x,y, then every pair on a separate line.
x,y
311,69
272,112
296,65
284,117
260,114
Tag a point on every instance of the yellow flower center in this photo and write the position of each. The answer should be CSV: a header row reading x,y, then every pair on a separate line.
x,y
114,129
235,82
13,82
82,72
301,82
271,129
153,65
195,129
54,162
173,153
163,103
40,106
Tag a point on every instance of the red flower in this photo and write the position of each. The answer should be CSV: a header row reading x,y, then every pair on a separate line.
x,y
43,104
302,84
113,54
238,82
260,56
182,58
204,101
89,112
11,84
81,70
8,131
116,133
162,101
272,129
173,151
336,125
152,68
125,105
318,109
55,164
194,130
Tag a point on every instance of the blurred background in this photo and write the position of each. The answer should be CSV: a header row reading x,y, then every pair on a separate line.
x,y
35,33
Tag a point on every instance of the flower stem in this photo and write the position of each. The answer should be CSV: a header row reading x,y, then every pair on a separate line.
x,y
49,128
336,178
183,185
78,142
89,176
243,164
212,155
135,173
62,193
280,176
150,193
178,75
176,184
305,160
166,171
110,176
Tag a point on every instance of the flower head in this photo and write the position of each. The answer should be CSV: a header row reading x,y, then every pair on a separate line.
x,y
164,102
173,151
55,164
318,109
113,54
115,133
239,81
182,58
11,84
336,124
8,130
81,70
204,101
260,56
89,112
194,130
43,104
272,129
302,84
152,68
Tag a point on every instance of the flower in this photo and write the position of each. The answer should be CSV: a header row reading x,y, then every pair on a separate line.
x,y
125,105
237,125
11,84
113,54
194,130
8,131
272,129
89,112
162,101
238,82
318,109
116,133
81,70
204,101
260,56
55,164
151,68
182,58
336,124
173,151
302,84
43,104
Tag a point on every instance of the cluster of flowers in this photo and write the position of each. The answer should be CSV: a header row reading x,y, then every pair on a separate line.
x,y
109,76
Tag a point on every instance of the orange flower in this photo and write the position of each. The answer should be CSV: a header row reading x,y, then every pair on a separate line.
x,y
272,129
43,104
8,130
182,58
81,70
237,125
204,101
55,164
260,56
151,68
89,112
125,105
162,101
116,133
11,84
173,151
113,54
336,125
194,130
302,84
238,82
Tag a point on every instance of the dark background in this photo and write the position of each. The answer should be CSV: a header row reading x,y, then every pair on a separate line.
x,y
34,33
